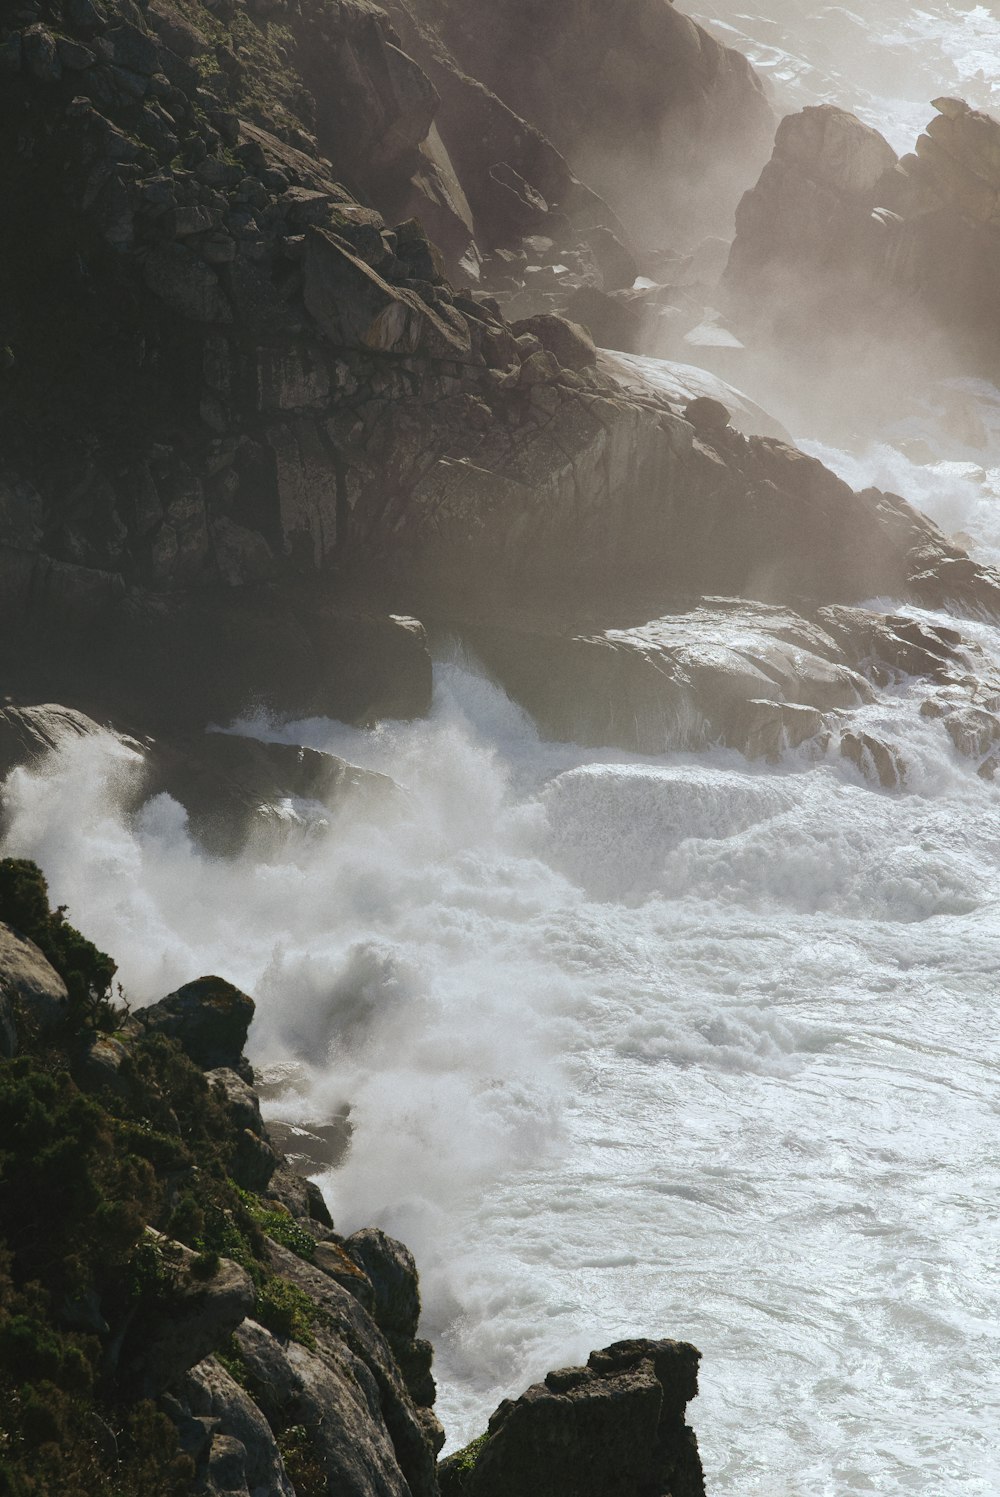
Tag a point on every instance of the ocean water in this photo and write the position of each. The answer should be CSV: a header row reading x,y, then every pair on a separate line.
x,y
677,1046
883,59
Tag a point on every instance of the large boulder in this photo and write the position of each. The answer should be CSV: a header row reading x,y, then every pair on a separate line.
x,y
347,1386
648,107
756,678
190,1315
209,1407
31,990
614,1428
209,1019
390,1267
839,236
356,308
810,210
569,343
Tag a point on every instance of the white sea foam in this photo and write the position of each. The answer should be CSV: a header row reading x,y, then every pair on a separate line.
x,y
883,59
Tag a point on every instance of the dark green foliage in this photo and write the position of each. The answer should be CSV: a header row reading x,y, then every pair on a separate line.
x,y
230,1357
304,1470
87,972
278,1225
56,1440
286,1310
72,1205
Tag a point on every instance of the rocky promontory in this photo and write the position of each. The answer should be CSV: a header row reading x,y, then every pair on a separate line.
x,y
178,1314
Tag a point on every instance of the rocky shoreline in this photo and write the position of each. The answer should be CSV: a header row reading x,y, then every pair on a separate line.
x,y
284,1357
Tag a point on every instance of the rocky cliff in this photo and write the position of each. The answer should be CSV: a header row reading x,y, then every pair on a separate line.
x,y
178,1314
875,258
298,364
258,419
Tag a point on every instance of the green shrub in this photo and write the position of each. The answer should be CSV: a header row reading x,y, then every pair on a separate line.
x,y
304,1469
87,972
286,1310
278,1225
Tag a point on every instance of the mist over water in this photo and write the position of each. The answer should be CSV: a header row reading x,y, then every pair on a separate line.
x,y
672,1046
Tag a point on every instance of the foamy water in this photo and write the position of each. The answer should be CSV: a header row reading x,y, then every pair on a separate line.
x,y
883,59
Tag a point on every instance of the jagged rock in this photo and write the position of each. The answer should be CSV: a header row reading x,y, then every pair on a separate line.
x,y
393,1276
348,1389
31,991
662,93
314,1145
811,206
202,1312
682,384
41,57
29,733
614,1428
300,1197
866,242
973,731
356,308
209,1393
234,788
569,343
877,761
834,148
707,415
334,1261
618,267
242,1102
717,673
209,1018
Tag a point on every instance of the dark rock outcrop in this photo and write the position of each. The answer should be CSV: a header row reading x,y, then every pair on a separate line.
x,y
643,102
209,1019
754,678
275,1360
205,1309
839,238
614,1428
